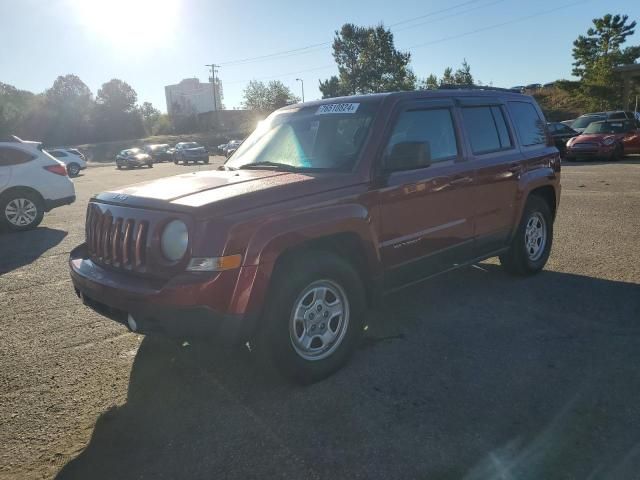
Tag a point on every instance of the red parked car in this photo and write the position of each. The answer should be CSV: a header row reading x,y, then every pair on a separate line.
x,y
608,140
326,207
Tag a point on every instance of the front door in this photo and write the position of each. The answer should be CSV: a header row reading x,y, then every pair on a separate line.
x,y
425,207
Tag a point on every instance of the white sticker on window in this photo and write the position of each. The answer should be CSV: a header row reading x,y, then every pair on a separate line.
x,y
338,108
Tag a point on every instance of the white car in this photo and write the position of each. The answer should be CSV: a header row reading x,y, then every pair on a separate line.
x,y
71,157
32,182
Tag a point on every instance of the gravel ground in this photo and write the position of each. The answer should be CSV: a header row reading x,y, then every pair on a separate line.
x,y
474,374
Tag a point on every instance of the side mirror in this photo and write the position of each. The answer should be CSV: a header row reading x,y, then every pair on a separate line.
x,y
408,155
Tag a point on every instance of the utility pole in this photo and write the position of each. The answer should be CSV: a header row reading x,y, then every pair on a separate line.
x,y
214,70
302,83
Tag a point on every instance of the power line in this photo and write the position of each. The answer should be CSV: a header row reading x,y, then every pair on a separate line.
x,y
497,25
440,40
315,46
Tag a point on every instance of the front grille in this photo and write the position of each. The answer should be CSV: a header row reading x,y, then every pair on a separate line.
x,y
116,241
585,146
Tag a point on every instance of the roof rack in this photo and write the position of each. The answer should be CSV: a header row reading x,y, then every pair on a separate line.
x,y
450,86
10,139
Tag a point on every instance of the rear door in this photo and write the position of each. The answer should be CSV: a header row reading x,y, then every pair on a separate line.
x,y
425,205
13,163
498,164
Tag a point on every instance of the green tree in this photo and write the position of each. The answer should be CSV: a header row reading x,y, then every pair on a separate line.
x,y
596,55
14,104
463,76
447,77
69,104
368,62
117,95
267,97
115,115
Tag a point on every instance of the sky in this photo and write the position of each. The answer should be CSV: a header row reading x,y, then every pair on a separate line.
x,y
153,43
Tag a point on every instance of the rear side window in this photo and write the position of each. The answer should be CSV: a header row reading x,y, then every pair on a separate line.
x,y
434,128
14,156
57,154
528,123
618,116
486,129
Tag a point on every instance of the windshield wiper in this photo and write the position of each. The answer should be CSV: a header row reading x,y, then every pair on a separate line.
x,y
269,165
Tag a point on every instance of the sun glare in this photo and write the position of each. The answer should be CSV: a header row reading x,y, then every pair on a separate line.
x,y
131,24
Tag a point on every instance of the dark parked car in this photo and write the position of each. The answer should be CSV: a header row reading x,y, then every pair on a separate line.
x,y
159,152
186,152
583,121
607,140
322,210
133,157
561,134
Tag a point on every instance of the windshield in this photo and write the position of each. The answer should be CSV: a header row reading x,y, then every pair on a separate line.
x,y
582,122
133,151
311,138
607,127
190,145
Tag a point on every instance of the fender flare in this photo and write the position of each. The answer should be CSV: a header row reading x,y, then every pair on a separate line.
x,y
283,234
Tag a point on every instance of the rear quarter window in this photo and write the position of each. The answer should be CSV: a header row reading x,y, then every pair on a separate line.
x,y
528,124
14,156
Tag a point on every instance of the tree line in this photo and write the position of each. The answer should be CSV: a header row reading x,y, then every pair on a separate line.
x,y
67,113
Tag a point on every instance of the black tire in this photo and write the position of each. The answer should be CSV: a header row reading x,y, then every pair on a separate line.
x,y
617,154
274,340
73,169
9,197
206,160
518,259
150,165
118,166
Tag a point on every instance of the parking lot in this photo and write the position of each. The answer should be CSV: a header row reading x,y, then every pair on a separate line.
x,y
474,374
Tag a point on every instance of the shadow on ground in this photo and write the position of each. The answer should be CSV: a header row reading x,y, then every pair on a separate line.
x,y
472,375
22,248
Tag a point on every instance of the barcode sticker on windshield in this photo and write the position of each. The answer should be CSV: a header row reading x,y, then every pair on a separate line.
x,y
338,108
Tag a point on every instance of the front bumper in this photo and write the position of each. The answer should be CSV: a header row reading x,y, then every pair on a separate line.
x,y
593,152
167,307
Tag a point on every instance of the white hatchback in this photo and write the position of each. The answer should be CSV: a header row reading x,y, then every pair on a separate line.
x,y
32,182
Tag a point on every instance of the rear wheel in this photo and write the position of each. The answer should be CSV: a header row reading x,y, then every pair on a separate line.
x,y
73,169
21,210
531,245
314,316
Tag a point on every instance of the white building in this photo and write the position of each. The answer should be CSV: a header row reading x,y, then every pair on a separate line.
x,y
190,96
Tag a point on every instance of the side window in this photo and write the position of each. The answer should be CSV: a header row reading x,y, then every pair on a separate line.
x,y
486,128
13,156
431,128
563,129
528,123
57,154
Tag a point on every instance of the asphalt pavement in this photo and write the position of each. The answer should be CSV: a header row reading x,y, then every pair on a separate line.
x,y
471,375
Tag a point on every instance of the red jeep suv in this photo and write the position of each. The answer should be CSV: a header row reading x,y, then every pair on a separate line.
x,y
327,206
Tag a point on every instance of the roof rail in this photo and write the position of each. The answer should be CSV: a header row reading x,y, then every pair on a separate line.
x,y
10,139
450,86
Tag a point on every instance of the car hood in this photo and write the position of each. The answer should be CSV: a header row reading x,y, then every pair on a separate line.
x,y
214,192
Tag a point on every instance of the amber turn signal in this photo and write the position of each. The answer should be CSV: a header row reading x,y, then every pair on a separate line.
x,y
214,264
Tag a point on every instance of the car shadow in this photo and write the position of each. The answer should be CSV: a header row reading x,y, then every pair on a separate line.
x,y
474,375
22,248
626,160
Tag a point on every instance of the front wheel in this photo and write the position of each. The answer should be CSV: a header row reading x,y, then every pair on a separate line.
x,y
617,154
314,316
531,245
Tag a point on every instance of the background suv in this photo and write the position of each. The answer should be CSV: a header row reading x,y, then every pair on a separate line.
x,y
186,152
71,157
32,182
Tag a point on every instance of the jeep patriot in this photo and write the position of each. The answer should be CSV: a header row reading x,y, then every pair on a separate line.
x,y
327,206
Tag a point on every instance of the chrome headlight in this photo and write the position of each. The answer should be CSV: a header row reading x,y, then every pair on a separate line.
x,y
174,240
